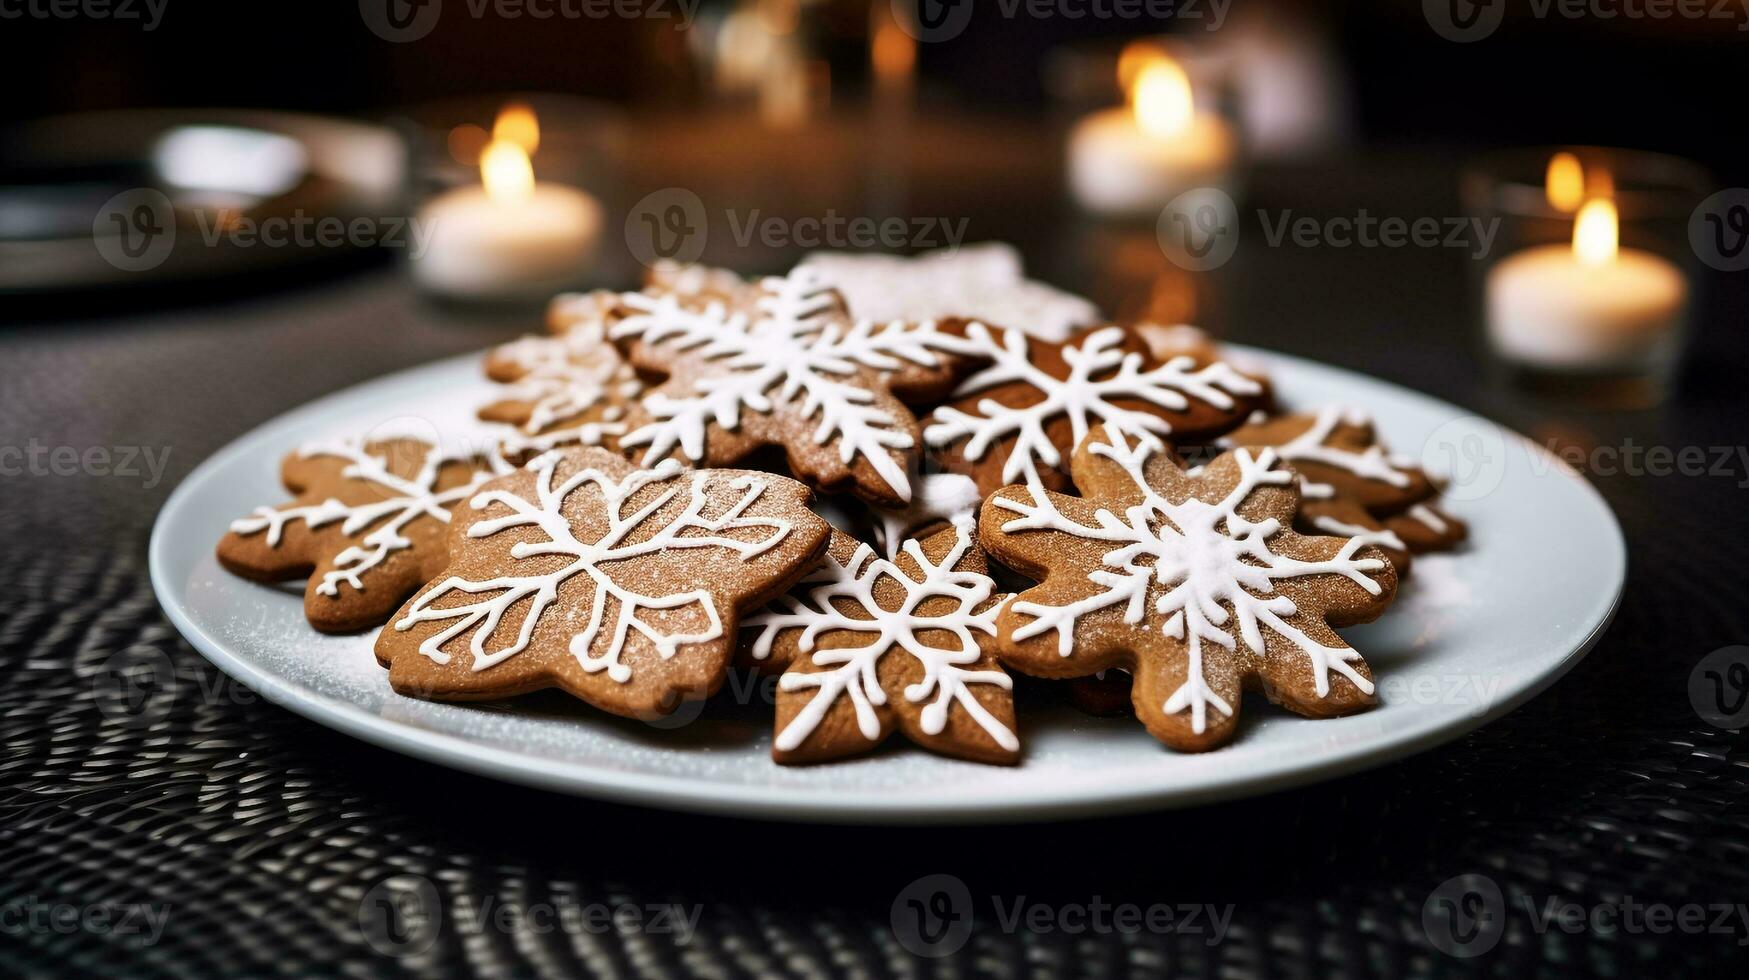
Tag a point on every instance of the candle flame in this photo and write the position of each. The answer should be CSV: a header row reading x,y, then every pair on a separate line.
x,y
516,124
1565,185
1161,99
1596,233
505,169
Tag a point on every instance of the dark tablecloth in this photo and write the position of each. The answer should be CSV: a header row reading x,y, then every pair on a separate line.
x,y
260,836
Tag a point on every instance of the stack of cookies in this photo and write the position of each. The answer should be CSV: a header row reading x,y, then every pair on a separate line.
x,y
891,514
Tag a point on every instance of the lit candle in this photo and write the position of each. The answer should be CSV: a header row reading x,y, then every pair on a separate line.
x,y
507,236
1591,305
1135,160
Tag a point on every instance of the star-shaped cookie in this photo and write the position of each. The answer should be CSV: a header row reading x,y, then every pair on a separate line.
x,y
1198,586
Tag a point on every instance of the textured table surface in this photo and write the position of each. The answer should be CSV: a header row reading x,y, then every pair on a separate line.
x,y
191,829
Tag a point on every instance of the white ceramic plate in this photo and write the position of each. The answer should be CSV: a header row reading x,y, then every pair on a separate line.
x,y
1473,635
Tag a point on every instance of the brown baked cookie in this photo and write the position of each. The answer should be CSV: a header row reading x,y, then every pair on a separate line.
x,y
569,380
1349,484
623,587
1425,528
369,525
868,645
1195,585
1017,420
1183,340
787,369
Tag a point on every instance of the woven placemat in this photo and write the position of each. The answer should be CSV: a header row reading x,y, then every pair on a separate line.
x,y
157,819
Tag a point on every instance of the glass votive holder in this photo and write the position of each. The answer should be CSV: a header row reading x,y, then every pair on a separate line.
x,y
1587,290
514,196
1172,129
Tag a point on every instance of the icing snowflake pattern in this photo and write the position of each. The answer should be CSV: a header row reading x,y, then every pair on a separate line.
x,y
464,604
1196,571
796,351
404,500
1099,371
949,671
560,378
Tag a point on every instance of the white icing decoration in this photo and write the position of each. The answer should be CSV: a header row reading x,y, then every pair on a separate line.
x,y
1367,535
566,375
797,345
1308,447
1425,514
537,590
978,282
939,497
405,501
854,669
1098,370
1205,557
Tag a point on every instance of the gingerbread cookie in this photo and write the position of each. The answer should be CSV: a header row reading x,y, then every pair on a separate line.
x,y
1425,528
368,526
869,645
1195,585
977,282
787,370
570,380
623,587
1017,420
1349,484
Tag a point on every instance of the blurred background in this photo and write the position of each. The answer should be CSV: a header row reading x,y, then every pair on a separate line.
x,y
750,132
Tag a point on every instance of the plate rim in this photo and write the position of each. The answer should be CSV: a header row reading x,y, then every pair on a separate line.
x,y
837,806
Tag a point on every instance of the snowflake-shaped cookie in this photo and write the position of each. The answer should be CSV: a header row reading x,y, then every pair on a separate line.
x,y
622,586
567,379
368,526
1349,484
867,645
1195,585
975,282
1017,420
786,368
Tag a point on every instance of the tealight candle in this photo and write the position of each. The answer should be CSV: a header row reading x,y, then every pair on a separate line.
x,y
1134,160
507,236
1588,306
